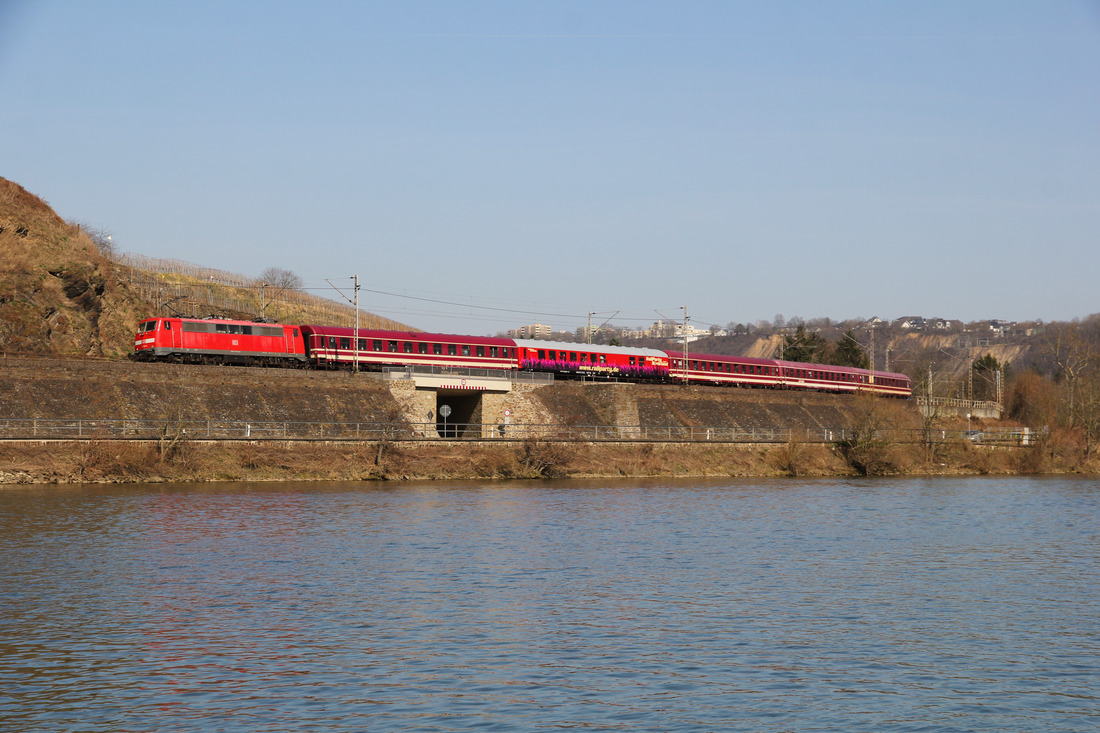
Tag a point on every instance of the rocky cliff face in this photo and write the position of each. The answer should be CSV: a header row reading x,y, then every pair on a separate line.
x,y
59,293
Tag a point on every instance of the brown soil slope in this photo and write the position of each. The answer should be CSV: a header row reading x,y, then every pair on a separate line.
x,y
58,293
54,388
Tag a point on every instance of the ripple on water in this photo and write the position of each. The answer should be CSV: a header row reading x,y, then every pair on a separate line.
x,y
895,605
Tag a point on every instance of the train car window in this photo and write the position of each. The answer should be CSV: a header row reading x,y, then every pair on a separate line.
x,y
408,347
632,361
504,352
345,343
360,344
572,356
542,354
452,350
332,342
392,346
437,349
603,358
465,349
422,348
494,352
246,330
481,351
583,358
220,328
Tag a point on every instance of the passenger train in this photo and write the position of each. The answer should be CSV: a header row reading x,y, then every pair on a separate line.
x,y
216,341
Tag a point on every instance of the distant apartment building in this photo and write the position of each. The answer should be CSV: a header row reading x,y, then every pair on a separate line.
x,y
532,331
675,331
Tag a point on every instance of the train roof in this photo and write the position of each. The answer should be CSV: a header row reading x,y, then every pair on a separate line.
x,y
835,368
235,321
377,333
719,357
571,346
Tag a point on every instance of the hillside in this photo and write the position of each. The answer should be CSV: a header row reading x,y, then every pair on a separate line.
x,y
62,292
58,293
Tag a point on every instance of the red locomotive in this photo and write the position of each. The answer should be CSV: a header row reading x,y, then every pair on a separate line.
x,y
214,341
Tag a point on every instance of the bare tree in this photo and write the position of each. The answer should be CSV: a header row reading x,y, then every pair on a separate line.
x,y
1073,355
281,279
276,281
101,238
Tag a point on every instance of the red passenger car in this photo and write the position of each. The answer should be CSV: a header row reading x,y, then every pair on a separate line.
x,y
330,346
563,357
216,341
741,371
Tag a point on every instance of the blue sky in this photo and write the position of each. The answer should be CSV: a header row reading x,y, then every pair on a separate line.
x,y
524,162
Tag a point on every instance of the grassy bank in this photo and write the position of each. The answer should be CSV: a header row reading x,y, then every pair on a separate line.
x,y
110,461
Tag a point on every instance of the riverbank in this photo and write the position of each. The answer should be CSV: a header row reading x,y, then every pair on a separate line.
x,y
113,461
167,396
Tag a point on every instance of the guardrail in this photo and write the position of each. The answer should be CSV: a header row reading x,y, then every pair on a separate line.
x,y
30,429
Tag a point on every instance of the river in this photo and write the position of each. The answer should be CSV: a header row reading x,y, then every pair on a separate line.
x,y
946,604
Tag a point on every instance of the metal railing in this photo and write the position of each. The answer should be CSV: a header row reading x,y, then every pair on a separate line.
x,y
959,402
78,429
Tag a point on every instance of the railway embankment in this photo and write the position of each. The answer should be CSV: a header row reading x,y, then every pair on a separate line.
x,y
53,388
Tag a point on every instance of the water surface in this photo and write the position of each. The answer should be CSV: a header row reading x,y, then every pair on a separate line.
x,y
877,605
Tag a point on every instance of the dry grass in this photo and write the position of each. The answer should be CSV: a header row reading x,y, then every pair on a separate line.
x,y
119,461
